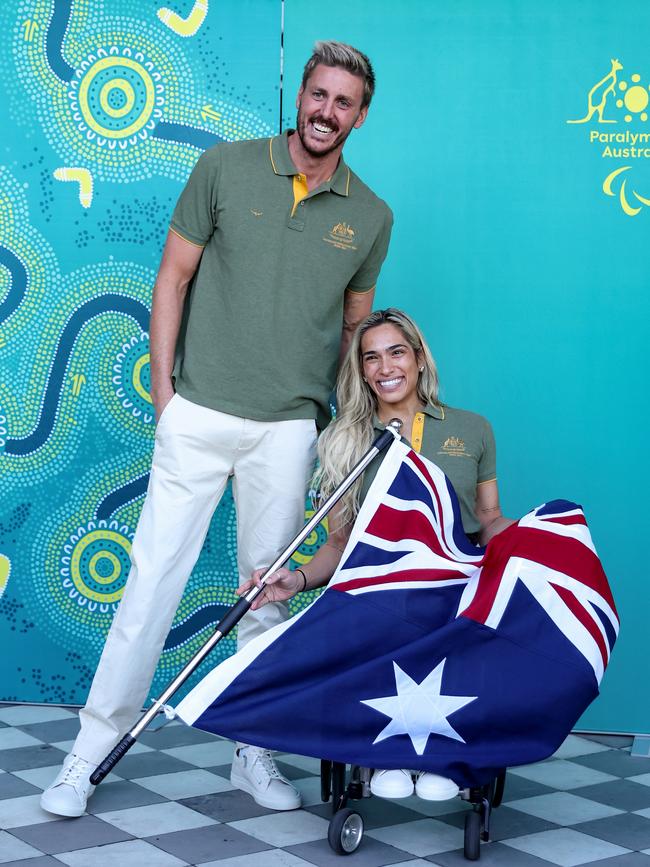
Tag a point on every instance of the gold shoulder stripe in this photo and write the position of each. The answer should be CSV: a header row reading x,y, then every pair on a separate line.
x,y
485,481
193,243
271,155
360,291
347,185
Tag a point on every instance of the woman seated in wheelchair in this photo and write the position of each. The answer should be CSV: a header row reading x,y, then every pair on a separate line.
x,y
390,373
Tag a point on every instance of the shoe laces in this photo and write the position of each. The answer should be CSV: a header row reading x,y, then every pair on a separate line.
x,y
265,760
73,773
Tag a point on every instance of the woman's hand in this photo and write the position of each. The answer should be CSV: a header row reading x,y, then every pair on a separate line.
x,y
280,586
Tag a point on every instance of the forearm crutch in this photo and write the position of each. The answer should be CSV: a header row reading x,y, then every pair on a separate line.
x,y
235,614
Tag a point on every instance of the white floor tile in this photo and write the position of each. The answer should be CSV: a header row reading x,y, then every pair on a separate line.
x,y
270,858
310,789
137,747
644,779
417,862
12,738
574,746
184,784
13,849
284,829
434,808
205,755
131,853
561,774
563,808
16,812
422,837
26,714
566,847
66,746
305,763
156,819
42,777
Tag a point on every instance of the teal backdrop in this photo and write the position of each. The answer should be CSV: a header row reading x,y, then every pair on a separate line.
x,y
530,281
105,109
519,244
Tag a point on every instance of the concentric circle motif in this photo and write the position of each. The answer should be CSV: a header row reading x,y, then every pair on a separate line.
x,y
132,377
95,564
312,543
116,97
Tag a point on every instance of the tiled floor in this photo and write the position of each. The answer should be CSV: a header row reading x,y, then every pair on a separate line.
x,y
170,802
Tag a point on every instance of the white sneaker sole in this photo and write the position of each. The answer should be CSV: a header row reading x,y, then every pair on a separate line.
x,y
391,793
439,795
242,782
51,803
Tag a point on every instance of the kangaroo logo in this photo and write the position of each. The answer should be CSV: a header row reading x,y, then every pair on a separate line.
x,y
630,96
601,89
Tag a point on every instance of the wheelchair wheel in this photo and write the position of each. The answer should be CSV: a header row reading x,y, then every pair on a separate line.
x,y
345,831
472,847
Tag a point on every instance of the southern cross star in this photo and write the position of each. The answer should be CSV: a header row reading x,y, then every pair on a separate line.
x,y
419,709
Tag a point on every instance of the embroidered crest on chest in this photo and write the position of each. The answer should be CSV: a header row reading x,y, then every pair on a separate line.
x,y
455,447
341,235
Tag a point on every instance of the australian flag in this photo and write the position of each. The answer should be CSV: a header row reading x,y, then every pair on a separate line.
x,y
424,651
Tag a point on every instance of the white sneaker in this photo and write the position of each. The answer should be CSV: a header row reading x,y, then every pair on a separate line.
x,y
433,787
68,794
254,771
392,784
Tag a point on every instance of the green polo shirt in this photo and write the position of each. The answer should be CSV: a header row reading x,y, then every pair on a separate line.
x,y
462,444
262,324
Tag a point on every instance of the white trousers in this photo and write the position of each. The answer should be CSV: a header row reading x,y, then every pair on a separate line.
x,y
196,450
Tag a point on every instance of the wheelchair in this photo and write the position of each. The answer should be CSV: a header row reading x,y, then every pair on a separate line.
x,y
346,825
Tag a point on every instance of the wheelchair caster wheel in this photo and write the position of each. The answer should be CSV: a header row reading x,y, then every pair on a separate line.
x,y
345,831
472,847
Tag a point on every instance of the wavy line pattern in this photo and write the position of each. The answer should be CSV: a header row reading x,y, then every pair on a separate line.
x,y
18,288
128,493
110,302
178,132
54,40
185,631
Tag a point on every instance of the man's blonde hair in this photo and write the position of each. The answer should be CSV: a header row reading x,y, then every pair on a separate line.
x,y
330,53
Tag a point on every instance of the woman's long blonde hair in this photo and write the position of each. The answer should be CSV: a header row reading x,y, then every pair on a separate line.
x,y
349,437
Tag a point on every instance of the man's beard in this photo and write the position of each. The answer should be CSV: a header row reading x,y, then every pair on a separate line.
x,y
301,125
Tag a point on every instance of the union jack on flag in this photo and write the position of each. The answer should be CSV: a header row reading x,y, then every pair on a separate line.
x,y
426,651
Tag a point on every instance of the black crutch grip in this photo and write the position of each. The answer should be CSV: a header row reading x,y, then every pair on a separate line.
x,y
111,760
383,440
231,618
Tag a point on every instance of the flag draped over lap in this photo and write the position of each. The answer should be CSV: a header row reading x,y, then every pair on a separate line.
x,y
424,651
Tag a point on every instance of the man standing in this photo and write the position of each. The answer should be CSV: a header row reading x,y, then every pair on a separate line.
x,y
271,261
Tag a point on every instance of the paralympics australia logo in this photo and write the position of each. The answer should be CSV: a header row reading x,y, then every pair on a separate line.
x,y
620,99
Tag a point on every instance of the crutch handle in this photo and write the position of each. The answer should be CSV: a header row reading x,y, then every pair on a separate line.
x,y
388,435
232,617
111,760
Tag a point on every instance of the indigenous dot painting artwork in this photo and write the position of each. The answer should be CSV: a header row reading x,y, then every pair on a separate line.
x,y
106,107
